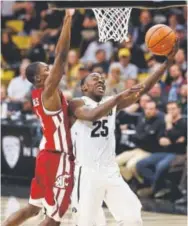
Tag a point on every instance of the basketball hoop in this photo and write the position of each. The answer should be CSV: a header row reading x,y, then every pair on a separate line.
x,y
113,16
112,23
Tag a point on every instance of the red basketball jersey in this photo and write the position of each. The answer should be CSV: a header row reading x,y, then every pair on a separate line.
x,y
55,127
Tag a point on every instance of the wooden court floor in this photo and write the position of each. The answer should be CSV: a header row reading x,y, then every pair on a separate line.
x,y
11,204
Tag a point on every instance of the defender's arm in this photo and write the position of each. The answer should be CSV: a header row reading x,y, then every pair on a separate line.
x,y
61,51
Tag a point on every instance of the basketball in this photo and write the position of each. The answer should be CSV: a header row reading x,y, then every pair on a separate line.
x,y
160,39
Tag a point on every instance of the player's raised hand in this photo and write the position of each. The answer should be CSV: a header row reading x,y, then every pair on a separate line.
x,y
136,90
172,54
70,12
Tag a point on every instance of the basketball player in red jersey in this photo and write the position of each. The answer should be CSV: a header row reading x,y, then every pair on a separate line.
x,y
52,185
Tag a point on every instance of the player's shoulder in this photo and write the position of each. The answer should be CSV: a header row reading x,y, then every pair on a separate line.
x,y
75,102
36,91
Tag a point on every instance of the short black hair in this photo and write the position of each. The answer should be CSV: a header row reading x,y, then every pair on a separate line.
x,y
31,71
83,80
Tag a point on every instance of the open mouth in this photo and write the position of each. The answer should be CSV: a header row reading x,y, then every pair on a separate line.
x,y
101,88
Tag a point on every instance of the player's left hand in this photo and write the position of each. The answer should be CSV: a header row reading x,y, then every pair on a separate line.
x,y
172,54
136,90
70,12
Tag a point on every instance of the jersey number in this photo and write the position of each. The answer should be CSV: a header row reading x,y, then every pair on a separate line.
x,y
100,129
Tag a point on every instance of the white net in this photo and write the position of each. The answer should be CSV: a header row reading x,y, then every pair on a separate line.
x,y
112,23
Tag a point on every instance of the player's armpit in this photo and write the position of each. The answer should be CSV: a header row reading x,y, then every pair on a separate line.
x,y
79,110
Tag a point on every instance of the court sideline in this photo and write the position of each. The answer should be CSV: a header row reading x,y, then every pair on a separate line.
x,y
10,204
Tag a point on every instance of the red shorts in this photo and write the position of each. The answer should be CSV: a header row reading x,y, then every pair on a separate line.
x,y
53,182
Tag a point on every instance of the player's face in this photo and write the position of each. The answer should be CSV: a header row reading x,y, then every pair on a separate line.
x,y
44,71
95,84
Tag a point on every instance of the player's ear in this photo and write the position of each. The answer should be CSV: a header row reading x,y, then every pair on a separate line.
x,y
84,88
37,78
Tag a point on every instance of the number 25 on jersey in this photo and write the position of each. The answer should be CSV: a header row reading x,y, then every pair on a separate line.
x,y
100,129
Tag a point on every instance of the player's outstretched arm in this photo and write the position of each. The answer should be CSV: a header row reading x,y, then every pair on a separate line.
x,y
79,110
61,53
150,81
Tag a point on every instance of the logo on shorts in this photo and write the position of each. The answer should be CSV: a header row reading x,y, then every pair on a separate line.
x,y
74,210
11,150
62,181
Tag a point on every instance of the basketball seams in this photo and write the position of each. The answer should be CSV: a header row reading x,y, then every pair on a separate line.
x,y
161,39
153,33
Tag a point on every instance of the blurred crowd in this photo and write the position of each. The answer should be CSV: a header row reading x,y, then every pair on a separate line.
x,y
152,133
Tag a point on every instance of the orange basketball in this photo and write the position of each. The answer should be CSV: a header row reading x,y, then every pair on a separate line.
x,y
160,39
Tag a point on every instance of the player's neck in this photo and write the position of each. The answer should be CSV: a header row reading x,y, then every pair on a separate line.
x,y
95,98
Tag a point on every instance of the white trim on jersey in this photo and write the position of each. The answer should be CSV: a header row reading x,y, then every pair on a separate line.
x,y
63,133
60,133
47,112
56,140
59,197
42,143
67,169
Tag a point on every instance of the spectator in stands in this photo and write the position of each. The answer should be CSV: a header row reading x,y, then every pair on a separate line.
x,y
174,142
4,99
183,99
7,12
30,18
180,60
144,99
177,81
27,109
172,21
113,82
130,71
176,131
50,24
140,106
149,128
89,21
89,54
36,53
182,36
152,64
72,68
21,8
159,97
3,96
19,87
51,53
97,69
140,31
101,60
137,54
88,29
10,52
129,83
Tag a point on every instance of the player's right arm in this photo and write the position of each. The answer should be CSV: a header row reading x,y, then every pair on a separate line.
x,y
79,110
61,52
